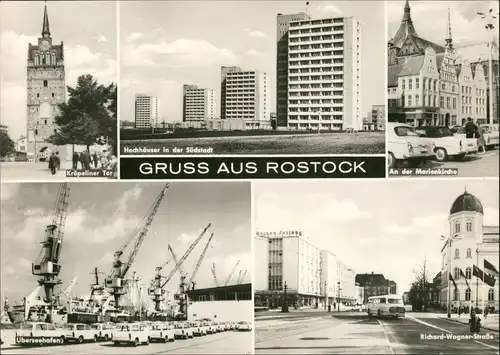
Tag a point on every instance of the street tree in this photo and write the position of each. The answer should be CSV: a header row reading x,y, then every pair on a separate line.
x,y
420,288
89,114
6,144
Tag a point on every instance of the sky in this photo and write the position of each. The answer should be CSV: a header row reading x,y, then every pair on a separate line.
x,y
372,226
162,48
430,19
89,36
98,224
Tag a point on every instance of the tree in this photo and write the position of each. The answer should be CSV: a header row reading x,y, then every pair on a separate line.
x,y
420,288
89,114
6,144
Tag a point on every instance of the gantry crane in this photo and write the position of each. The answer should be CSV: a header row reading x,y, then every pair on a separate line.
x,y
116,280
232,273
191,282
47,264
215,275
157,290
242,277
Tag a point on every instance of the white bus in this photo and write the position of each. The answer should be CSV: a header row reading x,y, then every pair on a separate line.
x,y
390,306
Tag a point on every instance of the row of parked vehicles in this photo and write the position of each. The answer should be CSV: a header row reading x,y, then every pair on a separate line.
x,y
38,333
418,145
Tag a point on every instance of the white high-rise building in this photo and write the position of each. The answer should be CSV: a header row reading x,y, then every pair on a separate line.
x,y
198,104
147,111
324,75
244,94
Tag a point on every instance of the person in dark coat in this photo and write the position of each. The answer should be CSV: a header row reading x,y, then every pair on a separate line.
x,y
470,128
53,163
86,160
95,159
58,161
75,160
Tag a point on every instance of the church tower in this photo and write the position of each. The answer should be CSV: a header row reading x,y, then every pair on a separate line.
x,y
46,89
449,39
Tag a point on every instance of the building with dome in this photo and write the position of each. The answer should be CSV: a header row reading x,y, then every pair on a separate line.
x,y
469,243
438,84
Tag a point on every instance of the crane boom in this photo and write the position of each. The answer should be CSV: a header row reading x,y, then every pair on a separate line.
x,y
176,261
202,256
215,275
144,230
231,274
185,256
242,277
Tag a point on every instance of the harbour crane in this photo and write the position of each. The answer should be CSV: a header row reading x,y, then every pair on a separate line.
x,y
160,281
191,282
116,281
242,277
215,275
47,264
232,273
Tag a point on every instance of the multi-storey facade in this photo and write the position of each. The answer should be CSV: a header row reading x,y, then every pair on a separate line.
x,y
147,111
46,90
470,242
311,275
378,114
22,144
282,26
324,81
198,104
244,94
472,87
375,285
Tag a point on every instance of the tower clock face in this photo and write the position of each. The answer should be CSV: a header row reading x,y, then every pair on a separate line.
x,y
44,45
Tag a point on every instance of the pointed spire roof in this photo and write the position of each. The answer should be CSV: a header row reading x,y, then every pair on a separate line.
x,y
449,38
406,28
45,28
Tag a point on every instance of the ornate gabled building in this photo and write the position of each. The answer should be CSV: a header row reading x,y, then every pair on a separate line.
x,y
430,84
46,90
472,242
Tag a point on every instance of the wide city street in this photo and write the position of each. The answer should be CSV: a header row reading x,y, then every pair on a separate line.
x,y
353,332
19,171
230,342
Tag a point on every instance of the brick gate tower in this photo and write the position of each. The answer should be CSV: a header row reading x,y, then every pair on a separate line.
x,y
46,89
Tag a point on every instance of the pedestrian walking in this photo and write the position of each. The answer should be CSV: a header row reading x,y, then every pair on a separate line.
x,y
52,163
86,160
470,128
75,160
58,161
95,159
481,142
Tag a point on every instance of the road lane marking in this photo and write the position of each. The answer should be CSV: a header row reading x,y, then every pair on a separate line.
x,y
386,337
287,322
447,331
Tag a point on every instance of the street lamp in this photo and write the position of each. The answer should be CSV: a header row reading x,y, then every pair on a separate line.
x,y
338,296
489,17
449,241
326,296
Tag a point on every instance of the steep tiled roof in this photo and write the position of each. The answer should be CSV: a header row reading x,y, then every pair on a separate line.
x,y
393,72
477,52
370,279
423,44
412,65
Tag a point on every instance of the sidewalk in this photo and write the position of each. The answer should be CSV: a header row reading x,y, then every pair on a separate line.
x,y
490,323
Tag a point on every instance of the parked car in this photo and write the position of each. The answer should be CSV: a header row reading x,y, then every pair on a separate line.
x,y
199,329
131,334
162,332
218,327
183,330
211,328
405,145
80,333
447,144
244,326
104,331
491,135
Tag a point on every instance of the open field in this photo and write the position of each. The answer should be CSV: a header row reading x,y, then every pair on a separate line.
x,y
324,143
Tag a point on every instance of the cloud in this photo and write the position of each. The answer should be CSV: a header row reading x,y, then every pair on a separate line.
x,y
255,34
133,37
8,191
328,9
183,52
255,53
437,223
79,59
101,39
491,216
